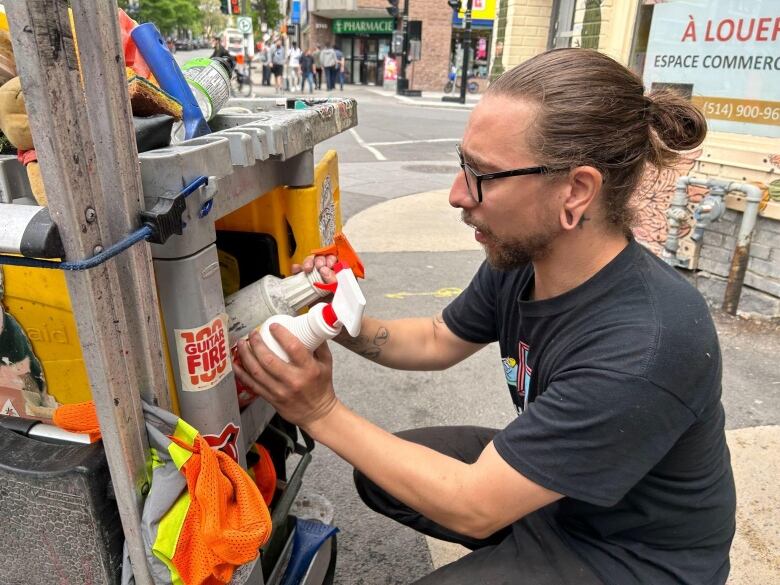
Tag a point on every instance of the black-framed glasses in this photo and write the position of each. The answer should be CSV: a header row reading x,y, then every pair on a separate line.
x,y
474,179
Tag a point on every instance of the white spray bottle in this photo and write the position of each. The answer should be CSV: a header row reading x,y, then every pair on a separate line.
x,y
251,306
324,320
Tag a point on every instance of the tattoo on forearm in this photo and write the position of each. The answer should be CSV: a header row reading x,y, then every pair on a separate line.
x,y
438,321
381,336
366,346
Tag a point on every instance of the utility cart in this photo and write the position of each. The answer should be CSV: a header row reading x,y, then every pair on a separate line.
x,y
125,320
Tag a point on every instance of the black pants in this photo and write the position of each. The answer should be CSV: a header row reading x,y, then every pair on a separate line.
x,y
529,552
330,77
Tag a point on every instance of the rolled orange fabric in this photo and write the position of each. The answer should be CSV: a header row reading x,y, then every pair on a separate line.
x,y
79,418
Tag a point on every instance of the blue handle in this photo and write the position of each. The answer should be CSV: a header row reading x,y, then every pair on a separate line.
x,y
151,45
310,535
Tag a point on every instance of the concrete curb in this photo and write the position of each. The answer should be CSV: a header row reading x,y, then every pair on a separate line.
x,y
427,102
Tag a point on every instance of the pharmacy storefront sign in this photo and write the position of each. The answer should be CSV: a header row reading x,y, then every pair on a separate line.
x,y
363,26
725,60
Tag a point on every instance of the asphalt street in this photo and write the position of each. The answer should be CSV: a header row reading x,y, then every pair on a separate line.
x,y
398,151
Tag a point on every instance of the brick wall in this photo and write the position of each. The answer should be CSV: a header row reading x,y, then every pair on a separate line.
x,y
527,30
320,32
430,73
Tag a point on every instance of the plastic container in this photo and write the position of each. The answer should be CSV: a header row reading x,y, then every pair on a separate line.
x,y
210,82
325,320
312,329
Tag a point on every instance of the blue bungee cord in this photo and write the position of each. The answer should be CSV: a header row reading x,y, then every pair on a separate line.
x,y
145,232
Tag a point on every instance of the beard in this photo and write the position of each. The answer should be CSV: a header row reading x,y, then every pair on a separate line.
x,y
512,253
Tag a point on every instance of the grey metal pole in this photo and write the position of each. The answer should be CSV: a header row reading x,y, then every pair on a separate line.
x,y
466,49
402,85
465,64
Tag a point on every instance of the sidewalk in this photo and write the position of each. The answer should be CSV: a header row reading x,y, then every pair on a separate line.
x,y
429,99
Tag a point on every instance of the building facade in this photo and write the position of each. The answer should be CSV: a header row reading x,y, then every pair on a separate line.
x,y
362,29
724,56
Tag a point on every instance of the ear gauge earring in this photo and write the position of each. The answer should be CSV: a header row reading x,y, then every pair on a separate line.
x,y
569,219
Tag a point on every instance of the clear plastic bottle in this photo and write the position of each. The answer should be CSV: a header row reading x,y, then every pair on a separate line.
x,y
209,80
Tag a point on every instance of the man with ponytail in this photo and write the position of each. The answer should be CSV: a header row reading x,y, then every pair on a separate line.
x,y
616,469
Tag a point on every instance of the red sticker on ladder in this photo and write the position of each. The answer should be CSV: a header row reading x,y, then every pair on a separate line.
x,y
204,359
226,441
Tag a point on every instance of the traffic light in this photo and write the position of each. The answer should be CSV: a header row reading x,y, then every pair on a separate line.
x,y
235,6
392,10
224,6
454,4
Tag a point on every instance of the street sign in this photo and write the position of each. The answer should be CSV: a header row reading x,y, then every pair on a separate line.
x,y
245,24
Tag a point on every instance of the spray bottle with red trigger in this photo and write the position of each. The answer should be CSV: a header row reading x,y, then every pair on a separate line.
x,y
252,305
324,320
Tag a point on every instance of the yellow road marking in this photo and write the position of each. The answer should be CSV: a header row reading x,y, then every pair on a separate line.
x,y
442,293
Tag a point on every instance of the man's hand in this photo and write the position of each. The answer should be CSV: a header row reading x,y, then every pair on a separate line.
x,y
301,391
322,263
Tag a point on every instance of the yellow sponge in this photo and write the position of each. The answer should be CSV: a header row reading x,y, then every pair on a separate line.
x,y
147,99
13,115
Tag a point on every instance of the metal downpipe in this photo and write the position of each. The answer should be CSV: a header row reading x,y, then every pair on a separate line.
x,y
741,257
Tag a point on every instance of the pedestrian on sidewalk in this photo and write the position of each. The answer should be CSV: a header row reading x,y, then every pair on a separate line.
x,y
317,66
307,70
219,49
293,67
340,63
278,58
615,470
328,61
264,57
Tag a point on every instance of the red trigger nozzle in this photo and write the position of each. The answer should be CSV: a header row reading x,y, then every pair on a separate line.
x,y
330,286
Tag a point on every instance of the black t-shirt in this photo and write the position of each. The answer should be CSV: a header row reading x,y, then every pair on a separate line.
x,y
307,64
617,384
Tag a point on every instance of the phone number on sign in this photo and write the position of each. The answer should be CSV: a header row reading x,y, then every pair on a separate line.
x,y
741,112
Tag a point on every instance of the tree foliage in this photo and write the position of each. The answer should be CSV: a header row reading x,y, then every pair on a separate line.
x,y
213,19
267,11
171,15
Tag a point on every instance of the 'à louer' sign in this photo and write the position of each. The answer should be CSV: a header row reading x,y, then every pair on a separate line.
x,y
363,26
724,56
